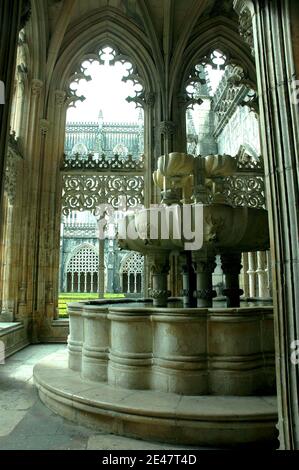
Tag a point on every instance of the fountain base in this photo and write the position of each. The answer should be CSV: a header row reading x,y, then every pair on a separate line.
x,y
217,421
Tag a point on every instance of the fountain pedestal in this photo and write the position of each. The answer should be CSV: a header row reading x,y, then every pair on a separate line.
x,y
204,268
231,267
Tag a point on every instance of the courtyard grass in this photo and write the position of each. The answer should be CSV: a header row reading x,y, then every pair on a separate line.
x,y
69,297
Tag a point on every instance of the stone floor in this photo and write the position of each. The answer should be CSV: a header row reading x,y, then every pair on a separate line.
x,y
26,424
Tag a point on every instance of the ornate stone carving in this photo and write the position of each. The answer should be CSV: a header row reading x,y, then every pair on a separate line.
x,y
36,86
184,99
159,293
167,128
248,191
245,28
247,164
131,74
234,89
159,264
150,99
44,126
80,230
82,192
60,97
102,163
13,158
212,226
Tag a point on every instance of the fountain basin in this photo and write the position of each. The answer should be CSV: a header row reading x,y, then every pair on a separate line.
x,y
223,228
192,351
183,376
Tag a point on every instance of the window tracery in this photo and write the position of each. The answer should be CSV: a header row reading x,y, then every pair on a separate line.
x,y
82,271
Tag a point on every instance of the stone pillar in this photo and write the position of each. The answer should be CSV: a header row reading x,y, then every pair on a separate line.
x,y
101,268
10,13
159,271
204,266
252,274
231,267
269,274
262,275
189,280
245,275
275,26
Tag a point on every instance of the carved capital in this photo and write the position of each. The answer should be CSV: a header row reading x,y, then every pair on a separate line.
x,y
202,264
231,263
159,265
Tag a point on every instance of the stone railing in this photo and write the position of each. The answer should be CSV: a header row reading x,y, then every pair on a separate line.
x,y
91,180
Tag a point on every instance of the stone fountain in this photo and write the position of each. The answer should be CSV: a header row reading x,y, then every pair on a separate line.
x,y
221,229
175,370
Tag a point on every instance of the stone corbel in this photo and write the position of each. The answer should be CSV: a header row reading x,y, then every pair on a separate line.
x,y
36,86
60,98
44,126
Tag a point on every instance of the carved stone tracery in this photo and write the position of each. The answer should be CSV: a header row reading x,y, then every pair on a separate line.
x,y
13,158
87,192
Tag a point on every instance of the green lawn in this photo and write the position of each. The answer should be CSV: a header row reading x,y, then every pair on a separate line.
x,y
68,297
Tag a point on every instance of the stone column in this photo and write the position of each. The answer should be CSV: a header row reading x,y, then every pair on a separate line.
x,y
189,280
159,270
245,275
101,268
269,274
252,274
275,25
231,267
262,275
204,266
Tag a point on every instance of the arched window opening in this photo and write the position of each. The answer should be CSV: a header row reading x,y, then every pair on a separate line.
x,y
132,273
82,271
106,115
222,112
103,160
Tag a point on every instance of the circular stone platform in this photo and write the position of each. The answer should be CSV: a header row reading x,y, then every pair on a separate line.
x,y
151,415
